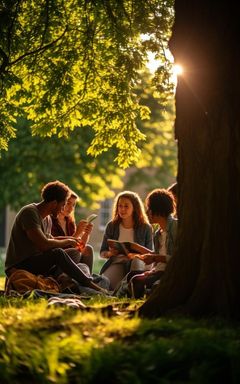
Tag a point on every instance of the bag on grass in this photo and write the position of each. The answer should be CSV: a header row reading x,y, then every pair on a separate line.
x,y
22,281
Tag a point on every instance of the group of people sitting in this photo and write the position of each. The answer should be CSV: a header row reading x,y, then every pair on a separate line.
x,y
45,240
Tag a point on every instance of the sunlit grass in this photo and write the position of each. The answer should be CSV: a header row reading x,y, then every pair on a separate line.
x,y
2,282
108,343
104,344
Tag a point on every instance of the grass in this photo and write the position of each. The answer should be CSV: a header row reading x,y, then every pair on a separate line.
x,y
108,343
98,263
104,344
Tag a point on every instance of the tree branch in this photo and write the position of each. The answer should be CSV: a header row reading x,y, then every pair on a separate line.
x,y
38,50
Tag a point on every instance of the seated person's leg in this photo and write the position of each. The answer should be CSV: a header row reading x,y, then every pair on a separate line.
x,y
74,254
136,286
139,283
115,273
101,280
87,256
44,262
133,273
137,265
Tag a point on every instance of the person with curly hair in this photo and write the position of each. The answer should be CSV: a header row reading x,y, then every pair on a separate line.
x,y
160,210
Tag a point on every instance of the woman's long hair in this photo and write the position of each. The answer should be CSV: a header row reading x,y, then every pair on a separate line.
x,y
71,217
139,214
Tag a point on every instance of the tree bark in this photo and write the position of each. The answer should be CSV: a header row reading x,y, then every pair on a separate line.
x,y
203,276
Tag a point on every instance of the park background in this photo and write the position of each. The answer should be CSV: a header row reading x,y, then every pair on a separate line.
x,y
31,161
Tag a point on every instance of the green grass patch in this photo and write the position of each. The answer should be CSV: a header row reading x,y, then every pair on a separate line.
x,y
104,344
109,344
97,264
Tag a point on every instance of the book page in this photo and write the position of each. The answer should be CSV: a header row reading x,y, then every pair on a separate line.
x,y
120,247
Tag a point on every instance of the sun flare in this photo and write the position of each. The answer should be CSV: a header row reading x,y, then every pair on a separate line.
x,y
153,64
177,70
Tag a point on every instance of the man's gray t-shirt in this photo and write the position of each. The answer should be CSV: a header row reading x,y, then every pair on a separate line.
x,y
20,247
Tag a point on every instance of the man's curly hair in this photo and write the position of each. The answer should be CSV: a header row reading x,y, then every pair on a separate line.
x,y
160,202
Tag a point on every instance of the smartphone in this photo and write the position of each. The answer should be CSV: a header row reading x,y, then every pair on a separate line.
x,y
92,217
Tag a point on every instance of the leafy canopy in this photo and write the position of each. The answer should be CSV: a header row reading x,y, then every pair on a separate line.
x,y
31,162
74,64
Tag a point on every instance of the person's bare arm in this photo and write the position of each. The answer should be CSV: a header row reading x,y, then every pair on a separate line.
x,y
43,243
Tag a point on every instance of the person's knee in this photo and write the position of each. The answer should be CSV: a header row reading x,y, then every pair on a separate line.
x,y
84,268
55,253
74,254
88,250
136,286
59,255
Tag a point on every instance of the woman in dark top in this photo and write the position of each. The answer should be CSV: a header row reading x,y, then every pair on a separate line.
x,y
64,225
129,223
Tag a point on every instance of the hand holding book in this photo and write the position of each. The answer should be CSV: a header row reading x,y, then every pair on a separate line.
x,y
112,252
85,226
129,249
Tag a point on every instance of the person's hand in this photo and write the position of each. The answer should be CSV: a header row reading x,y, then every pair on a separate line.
x,y
149,273
88,228
80,244
112,252
132,255
81,227
69,242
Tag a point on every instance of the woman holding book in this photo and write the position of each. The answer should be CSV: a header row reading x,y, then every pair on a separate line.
x,y
64,225
129,224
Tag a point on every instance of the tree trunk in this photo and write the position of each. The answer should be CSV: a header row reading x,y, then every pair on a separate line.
x,y
203,275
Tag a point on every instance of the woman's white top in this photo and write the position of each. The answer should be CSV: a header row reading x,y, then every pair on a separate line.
x,y
125,234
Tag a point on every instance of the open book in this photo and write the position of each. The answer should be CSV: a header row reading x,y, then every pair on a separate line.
x,y
126,247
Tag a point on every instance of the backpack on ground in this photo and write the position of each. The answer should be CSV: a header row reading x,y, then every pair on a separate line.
x,y
22,281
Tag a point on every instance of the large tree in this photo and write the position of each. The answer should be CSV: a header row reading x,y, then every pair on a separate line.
x,y
71,64
203,276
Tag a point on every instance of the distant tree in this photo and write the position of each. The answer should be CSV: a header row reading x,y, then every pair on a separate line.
x,y
203,276
31,162
71,65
